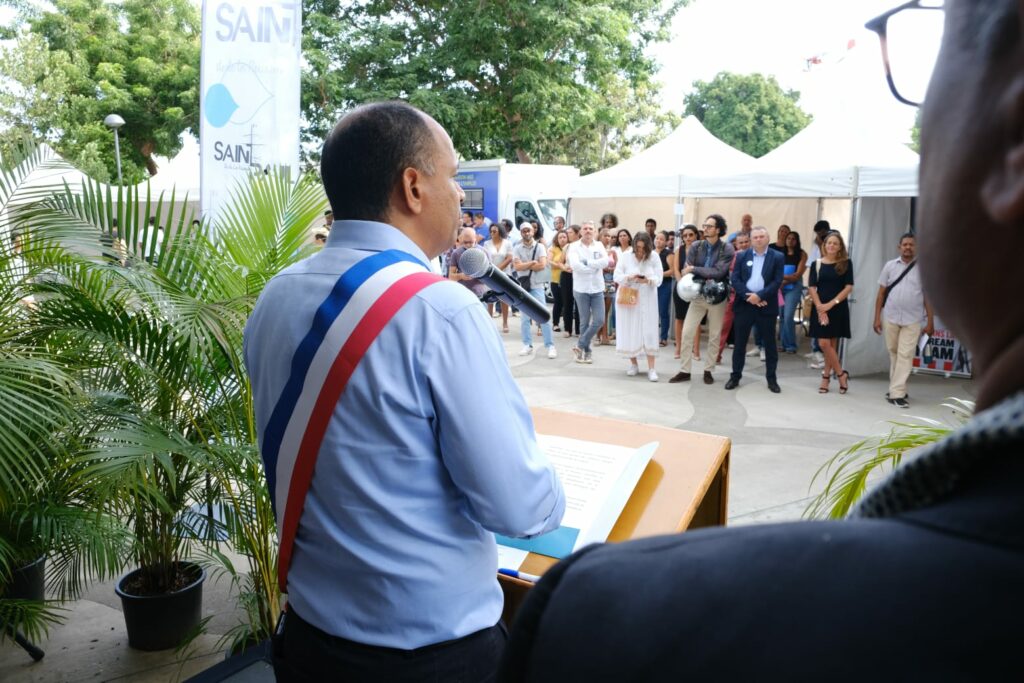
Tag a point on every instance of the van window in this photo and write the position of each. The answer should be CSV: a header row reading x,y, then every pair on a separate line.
x,y
553,208
525,212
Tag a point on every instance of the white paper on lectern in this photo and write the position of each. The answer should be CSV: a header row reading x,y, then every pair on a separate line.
x,y
598,480
511,558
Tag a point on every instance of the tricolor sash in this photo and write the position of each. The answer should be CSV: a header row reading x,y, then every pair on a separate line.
x,y
359,306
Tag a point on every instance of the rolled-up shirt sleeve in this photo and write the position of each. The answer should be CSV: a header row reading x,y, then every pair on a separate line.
x,y
486,433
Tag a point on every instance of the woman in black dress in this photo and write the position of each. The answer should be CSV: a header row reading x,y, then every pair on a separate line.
x,y
830,283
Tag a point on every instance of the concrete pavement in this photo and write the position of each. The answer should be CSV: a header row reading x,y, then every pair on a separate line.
x,y
779,442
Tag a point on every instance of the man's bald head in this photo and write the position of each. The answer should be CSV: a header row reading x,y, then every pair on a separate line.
x,y
365,155
467,237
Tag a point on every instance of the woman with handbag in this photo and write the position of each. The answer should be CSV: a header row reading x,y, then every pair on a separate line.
x,y
638,273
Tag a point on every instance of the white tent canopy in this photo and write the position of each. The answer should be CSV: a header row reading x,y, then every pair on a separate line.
x,y
658,170
180,174
834,156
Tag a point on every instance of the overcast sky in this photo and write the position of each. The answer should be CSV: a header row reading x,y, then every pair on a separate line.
x,y
776,37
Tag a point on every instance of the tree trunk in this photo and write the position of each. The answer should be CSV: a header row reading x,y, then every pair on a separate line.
x,y
146,149
523,156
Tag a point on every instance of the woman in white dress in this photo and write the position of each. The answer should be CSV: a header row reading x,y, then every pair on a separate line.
x,y
500,250
637,323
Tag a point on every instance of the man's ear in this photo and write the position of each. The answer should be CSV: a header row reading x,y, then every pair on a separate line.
x,y
1002,192
411,192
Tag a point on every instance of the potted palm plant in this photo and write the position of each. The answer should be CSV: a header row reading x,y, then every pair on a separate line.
x,y
46,510
144,346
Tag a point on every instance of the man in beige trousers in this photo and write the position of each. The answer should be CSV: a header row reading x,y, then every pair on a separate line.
x,y
710,259
906,309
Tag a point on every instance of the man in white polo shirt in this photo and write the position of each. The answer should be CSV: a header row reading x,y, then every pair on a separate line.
x,y
901,299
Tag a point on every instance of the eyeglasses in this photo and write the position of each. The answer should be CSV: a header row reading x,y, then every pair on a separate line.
x,y
910,36
708,226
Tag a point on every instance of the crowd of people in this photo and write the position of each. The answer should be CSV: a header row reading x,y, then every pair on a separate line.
x,y
608,286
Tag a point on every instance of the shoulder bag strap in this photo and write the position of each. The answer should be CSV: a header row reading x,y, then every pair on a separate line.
x,y
885,297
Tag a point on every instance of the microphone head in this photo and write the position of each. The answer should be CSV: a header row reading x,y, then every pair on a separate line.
x,y
474,262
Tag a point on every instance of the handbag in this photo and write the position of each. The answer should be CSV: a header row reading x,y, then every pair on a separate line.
x,y
808,307
628,296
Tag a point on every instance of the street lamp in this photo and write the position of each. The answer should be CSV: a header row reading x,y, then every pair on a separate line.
x,y
114,121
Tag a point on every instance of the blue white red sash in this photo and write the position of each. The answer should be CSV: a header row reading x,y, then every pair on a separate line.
x,y
359,306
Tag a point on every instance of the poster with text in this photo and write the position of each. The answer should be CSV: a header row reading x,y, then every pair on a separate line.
x,y
943,354
249,107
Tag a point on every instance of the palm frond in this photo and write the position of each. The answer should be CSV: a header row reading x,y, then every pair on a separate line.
x,y
847,473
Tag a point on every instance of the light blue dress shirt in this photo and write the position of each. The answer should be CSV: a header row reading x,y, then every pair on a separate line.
x,y
755,283
430,450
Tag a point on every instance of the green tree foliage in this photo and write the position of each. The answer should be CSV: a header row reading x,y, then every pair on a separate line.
x,y
553,82
915,133
80,60
750,112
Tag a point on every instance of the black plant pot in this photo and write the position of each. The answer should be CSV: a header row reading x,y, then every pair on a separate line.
x,y
160,622
27,582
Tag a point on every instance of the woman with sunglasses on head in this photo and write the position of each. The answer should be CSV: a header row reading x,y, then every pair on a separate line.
x,y
687,236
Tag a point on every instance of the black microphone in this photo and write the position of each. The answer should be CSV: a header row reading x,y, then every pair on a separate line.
x,y
476,264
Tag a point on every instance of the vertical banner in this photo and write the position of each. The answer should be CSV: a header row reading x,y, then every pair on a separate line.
x,y
250,77
943,354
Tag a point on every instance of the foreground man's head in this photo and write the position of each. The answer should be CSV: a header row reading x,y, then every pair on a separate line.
x,y
972,166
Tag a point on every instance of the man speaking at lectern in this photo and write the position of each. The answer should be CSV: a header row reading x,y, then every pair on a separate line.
x,y
364,366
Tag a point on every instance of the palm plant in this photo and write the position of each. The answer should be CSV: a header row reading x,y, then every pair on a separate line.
x,y
45,508
847,473
157,347
263,228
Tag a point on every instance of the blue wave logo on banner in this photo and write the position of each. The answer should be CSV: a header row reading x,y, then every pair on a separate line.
x,y
219,105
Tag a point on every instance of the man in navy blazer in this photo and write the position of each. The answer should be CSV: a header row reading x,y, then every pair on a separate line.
x,y
756,278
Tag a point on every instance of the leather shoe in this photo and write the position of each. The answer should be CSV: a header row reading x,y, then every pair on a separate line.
x,y
708,379
731,384
774,387
680,377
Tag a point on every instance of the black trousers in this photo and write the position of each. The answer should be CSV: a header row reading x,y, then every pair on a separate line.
x,y
309,654
569,312
745,317
556,310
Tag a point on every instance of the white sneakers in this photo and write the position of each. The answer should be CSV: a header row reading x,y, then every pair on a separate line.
x,y
578,352
528,350
634,370
752,352
762,354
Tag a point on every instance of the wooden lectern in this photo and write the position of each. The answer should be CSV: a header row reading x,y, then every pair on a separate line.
x,y
685,485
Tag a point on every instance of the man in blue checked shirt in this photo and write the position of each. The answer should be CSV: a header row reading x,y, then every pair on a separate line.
x,y
391,570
